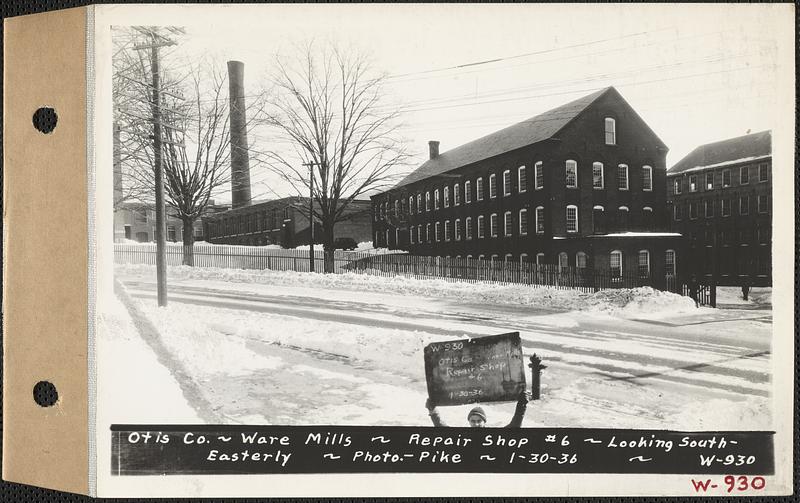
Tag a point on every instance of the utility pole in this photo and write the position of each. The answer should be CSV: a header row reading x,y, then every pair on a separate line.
x,y
311,256
157,41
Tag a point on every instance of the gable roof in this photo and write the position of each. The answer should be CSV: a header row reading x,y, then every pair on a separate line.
x,y
536,129
731,151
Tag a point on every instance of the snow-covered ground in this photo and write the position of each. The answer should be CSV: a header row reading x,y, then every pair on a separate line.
x,y
638,302
295,348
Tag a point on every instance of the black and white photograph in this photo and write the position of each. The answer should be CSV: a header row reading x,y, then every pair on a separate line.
x,y
496,216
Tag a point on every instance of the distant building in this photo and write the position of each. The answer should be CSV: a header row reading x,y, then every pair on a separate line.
x,y
582,185
721,201
136,221
283,222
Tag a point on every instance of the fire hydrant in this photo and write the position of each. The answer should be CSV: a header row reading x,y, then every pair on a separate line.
x,y
536,375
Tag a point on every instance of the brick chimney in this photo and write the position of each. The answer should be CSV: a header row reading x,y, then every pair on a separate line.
x,y
433,149
240,159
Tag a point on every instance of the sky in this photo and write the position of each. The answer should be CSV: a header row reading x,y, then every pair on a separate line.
x,y
694,73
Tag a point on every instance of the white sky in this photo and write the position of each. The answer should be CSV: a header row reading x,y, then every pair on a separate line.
x,y
695,73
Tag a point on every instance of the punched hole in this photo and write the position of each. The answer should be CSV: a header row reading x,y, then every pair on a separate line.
x,y
45,119
45,394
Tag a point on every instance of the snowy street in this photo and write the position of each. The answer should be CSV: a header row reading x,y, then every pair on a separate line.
x,y
294,354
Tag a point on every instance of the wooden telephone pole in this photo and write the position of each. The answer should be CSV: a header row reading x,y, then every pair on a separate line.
x,y
156,41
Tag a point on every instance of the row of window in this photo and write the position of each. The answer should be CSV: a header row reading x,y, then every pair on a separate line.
x,y
727,180
443,198
253,222
455,233
580,261
709,206
725,237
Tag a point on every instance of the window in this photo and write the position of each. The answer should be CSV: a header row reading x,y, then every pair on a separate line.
x,y
456,195
492,186
427,201
598,220
458,229
411,236
563,261
410,204
396,208
616,265
693,183
678,186
428,233
468,227
467,192
709,180
397,238
763,204
726,178
436,200
493,225
447,197
726,207
669,263
623,217
438,231
611,131
538,174
597,175
744,205
479,189
744,175
572,218
386,243
677,212
692,210
419,233
709,205
377,213
580,260
763,172
539,258
647,178
523,222
572,174
447,230
481,227
540,220
506,183
419,203
522,180
508,224
644,264
622,177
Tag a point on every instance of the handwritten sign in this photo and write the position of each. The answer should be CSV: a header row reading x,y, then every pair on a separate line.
x,y
484,369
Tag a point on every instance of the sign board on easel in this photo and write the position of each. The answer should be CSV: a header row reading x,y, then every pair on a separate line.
x,y
483,369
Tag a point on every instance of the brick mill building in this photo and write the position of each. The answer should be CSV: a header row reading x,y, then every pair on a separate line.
x,y
582,185
721,201
283,222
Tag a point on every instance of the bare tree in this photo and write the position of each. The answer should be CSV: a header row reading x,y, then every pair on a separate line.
x,y
196,138
328,109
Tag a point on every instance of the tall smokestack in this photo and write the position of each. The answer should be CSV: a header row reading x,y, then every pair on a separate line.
x,y
240,159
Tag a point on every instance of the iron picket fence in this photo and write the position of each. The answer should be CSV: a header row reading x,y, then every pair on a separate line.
x,y
397,264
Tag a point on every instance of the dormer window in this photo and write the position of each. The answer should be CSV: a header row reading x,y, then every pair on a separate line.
x,y
611,131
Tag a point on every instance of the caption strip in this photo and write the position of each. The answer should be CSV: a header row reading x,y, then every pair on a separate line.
x,y
215,450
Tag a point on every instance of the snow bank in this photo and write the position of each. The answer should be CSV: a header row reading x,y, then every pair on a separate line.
x,y
638,302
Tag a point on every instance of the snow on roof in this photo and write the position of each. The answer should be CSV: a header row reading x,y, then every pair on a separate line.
x,y
715,153
638,235
724,163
